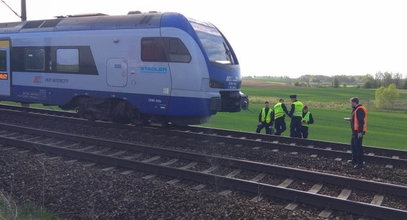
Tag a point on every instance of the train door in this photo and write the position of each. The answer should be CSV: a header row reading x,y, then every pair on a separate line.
x,y
5,68
116,72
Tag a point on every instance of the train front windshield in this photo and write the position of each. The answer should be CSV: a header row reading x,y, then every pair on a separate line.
x,y
215,45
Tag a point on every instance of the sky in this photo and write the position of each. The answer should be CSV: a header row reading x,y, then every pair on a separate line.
x,y
276,38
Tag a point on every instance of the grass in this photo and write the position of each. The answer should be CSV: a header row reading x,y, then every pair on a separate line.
x,y
10,211
329,125
386,129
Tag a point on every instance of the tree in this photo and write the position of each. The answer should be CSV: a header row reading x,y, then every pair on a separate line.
x,y
335,82
385,96
405,84
370,82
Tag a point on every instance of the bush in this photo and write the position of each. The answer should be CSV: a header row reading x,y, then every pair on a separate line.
x,y
385,97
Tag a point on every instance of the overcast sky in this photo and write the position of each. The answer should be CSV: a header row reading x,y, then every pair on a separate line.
x,y
286,37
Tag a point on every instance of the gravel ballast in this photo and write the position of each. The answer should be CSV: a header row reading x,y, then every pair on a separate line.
x,y
72,191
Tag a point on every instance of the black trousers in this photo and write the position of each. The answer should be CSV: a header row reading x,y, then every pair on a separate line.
x,y
265,125
279,125
357,149
304,131
295,127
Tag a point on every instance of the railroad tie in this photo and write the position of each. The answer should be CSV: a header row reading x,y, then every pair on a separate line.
x,y
54,158
8,148
72,145
87,148
395,157
127,172
149,177
173,181
233,173
71,161
314,190
328,148
326,213
172,161
101,151
338,159
314,156
256,148
259,139
199,187
294,153
118,153
89,165
132,157
389,166
275,150
370,154
151,159
226,192
108,169
258,177
377,200
210,169
189,166
286,183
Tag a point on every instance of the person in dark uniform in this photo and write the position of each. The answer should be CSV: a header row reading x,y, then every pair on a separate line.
x,y
280,110
307,119
265,118
296,117
358,123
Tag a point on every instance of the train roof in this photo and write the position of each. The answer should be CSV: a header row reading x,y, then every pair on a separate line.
x,y
91,22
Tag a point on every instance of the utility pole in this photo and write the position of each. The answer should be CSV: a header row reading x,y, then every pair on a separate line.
x,y
23,11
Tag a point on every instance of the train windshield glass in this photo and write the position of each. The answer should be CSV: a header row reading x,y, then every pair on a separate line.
x,y
215,45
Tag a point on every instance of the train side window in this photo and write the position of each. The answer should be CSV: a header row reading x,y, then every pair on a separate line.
x,y
176,50
34,59
3,61
67,60
152,50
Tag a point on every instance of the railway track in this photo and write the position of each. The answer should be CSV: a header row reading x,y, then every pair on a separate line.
x,y
224,174
387,157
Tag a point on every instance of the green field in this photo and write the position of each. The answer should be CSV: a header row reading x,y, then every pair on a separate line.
x,y
386,129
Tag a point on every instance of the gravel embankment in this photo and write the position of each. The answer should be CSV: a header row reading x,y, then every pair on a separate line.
x,y
75,192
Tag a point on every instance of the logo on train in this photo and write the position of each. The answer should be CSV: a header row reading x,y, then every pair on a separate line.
x,y
37,79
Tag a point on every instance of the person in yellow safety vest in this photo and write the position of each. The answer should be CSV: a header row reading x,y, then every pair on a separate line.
x,y
307,119
280,110
296,117
265,118
358,124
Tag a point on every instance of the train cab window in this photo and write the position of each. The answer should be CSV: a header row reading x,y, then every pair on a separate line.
x,y
176,50
67,60
3,61
34,59
152,50
164,49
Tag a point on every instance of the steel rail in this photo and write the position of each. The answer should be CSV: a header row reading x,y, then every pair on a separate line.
x,y
330,149
313,176
267,190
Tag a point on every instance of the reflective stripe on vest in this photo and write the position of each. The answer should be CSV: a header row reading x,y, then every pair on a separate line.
x,y
306,119
278,111
264,117
355,119
298,108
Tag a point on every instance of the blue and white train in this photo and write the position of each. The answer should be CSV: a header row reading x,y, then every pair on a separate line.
x,y
140,66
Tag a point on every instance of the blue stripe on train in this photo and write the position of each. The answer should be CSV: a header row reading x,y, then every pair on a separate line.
x,y
150,104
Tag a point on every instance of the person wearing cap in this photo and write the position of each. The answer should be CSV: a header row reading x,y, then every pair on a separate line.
x,y
358,124
296,117
280,110
307,119
265,118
